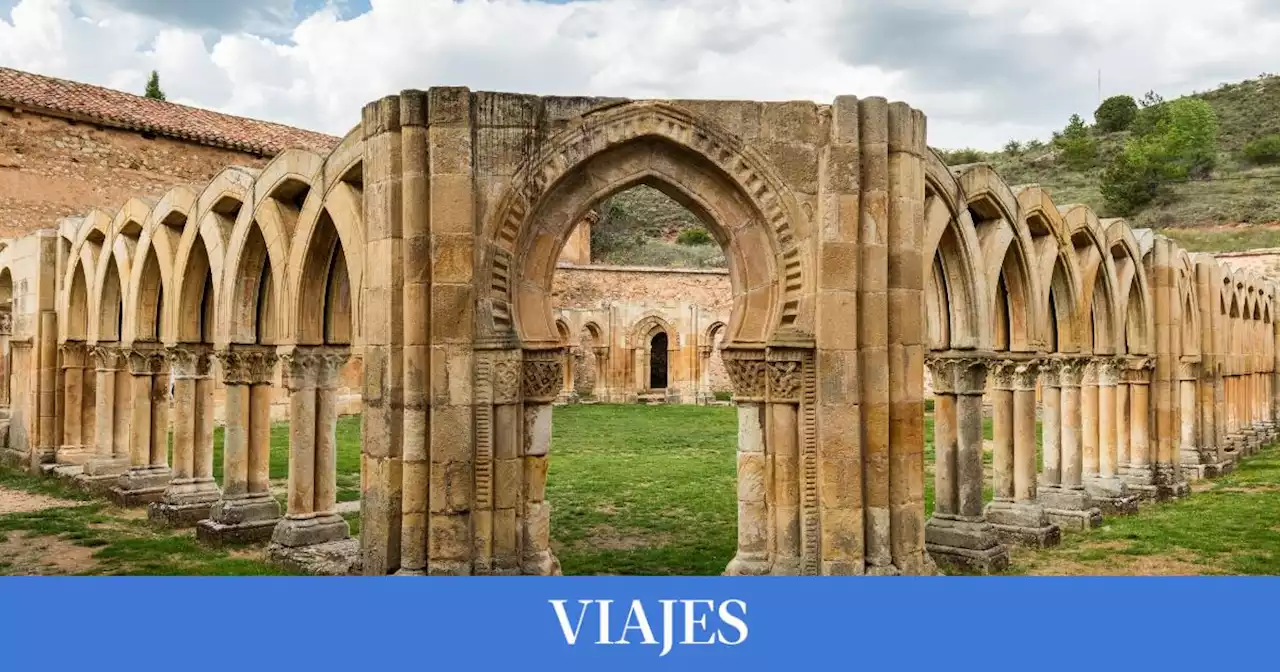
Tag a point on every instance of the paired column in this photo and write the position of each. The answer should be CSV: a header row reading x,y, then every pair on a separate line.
x,y
247,510
1138,474
192,490
1107,490
148,474
1066,503
111,419
1198,458
1015,512
958,534
77,379
311,375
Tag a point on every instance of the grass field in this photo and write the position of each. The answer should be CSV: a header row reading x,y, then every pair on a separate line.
x,y
651,490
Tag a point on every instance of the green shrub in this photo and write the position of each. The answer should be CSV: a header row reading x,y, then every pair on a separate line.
x,y
696,236
1115,114
1263,151
960,157
1079,149
723,395
1034,144
1129,183
1013,148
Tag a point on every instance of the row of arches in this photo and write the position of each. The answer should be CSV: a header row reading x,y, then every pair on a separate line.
x,y
237,292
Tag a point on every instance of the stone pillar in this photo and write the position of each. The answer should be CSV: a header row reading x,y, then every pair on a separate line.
x,y
1089,433
110,457
1019,517
311,375
1198,459
1123,422
958,535
1002,373
567,393
1138,474
1068,505
191,491
6,359
247,510
1051,430
148,475
74,448
1107,490
539,372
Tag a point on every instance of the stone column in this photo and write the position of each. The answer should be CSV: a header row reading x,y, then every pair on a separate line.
x,y
247,510
191,490
1122,417
1198,459
148,475
109,459
1138,474
74,447
311,375
1089,433
1051,431
1106,489
6,359
1020,518
1002,431
1068,505
958,535
540,371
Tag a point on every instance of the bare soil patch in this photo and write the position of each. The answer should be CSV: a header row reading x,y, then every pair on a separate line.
x,y
25,554
18,501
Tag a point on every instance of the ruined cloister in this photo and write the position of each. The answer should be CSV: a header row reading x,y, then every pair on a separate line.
x,y
423,249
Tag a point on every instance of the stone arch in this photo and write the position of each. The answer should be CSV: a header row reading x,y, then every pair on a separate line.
x,y
1098,303
113,271
74,311
1135,311
652,320
255,288
1188,303
151,276
562,328
955,302
714,332
198,261
1010,285
746,208
1055,265
329,243
594,333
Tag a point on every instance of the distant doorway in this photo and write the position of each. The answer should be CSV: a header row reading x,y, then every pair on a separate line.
x,y
658,361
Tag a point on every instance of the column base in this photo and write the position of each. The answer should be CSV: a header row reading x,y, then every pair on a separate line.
x,y
334,558
749,564
99,485
1169,483
539,564
969,546
73,454
1023,523
15,459
310,531
1206,467
142,485
240,520
106,466
185,502
1070,509
1111,495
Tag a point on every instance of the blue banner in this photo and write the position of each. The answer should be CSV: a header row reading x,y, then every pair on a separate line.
x,y
606,623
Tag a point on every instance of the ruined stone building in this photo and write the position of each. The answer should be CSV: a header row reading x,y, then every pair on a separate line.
x,y
426,245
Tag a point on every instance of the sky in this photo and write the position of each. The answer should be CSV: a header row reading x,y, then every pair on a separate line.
x,y
984,71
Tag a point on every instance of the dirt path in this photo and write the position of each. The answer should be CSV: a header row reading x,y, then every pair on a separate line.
x,y
17,501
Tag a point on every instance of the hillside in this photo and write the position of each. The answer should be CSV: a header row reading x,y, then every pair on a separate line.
x,y
1237,207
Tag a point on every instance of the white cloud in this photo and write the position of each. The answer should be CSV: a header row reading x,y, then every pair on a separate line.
x,y
983,70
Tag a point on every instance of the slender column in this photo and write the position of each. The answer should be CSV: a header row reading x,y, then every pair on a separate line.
x,y
1122,416
1089,420
247,510
72,449
1198,460
105,463
958,533
191,490
6,359
1051,431
148,473
1022,519
1002,429
1138,473
1106,489
311,375
1067,504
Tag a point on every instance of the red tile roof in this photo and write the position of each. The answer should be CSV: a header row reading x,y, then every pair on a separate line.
x,y
85,102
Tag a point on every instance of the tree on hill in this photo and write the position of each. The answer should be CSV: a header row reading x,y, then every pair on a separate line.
x,y
1180,144
1116,113
1078,149
153,87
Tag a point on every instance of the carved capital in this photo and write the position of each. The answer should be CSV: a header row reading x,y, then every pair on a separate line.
x,y
1138,370
1025,375
1188,370
746,369
1051,372
144,360
106,357
247,365
543,374
1002,373
75,354
189,360
1111,371
308,367
785,376
958,375
6,323
506,381
601,351
1071,371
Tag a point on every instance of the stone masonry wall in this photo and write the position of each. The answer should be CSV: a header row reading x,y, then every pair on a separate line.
x,y
52,168
1263,260
594,286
